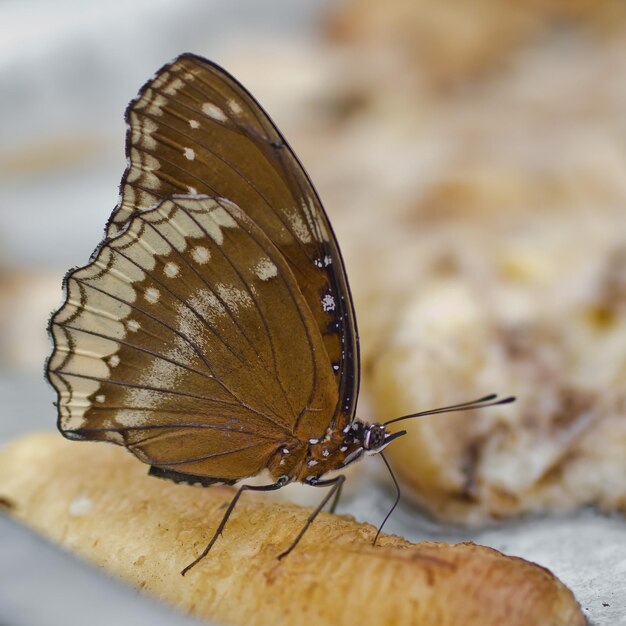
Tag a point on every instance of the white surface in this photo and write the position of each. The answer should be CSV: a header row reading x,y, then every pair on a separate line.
x,y
41,585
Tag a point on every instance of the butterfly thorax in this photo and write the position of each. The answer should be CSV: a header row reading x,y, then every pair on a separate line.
x,y
334,450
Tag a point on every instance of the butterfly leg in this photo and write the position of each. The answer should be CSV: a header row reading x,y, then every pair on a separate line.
x,y
336,483
281,482
333,506
395,502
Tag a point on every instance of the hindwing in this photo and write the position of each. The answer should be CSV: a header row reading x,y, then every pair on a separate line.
x,y
187,339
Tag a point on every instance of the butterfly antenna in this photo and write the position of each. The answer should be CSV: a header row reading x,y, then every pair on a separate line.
x,y
395,503
481,403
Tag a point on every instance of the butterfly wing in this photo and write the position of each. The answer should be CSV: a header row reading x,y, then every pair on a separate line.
x,y
187,340
194,129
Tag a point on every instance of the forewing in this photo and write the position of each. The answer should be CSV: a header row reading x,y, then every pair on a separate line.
x,y
194,129
187,340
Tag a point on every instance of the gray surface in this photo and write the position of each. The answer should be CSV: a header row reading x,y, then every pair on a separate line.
x,y
41,585
67,71
587,551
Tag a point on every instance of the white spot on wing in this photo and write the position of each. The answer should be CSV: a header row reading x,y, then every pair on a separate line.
x,y
265,269
100,398
152,295
114,361
194,123
200,255
298,227
233,297
213,111
192,190
235,107
171,269
328,303
189,153
133,325
325,262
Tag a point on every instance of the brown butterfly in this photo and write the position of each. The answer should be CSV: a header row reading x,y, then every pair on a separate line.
x,y
212,333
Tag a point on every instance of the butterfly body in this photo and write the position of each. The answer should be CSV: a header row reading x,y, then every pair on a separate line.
x,y
332,451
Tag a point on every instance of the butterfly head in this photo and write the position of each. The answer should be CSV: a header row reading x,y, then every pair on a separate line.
x,y
359,438
362,438
376,438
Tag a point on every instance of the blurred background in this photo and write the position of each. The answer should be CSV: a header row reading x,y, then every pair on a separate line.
x,y
471,157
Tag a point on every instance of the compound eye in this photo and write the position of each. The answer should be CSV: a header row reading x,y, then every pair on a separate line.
x,y
379,437
375,438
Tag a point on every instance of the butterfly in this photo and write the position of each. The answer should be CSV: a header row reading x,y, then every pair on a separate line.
x,y
212,333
